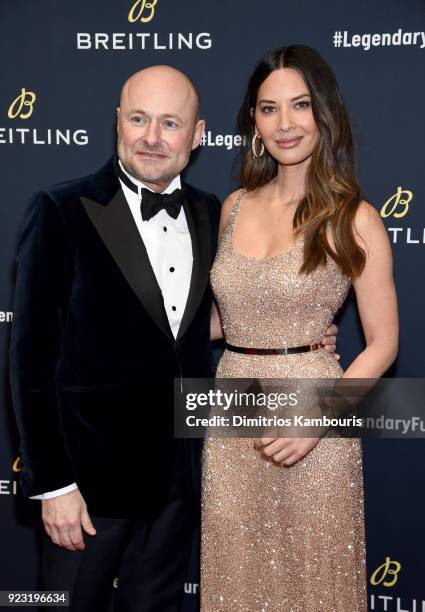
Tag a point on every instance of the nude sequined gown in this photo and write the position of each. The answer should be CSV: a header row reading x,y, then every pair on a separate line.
x,y
287,539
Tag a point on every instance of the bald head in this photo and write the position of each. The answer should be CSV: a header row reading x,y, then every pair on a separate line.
x,y
158,124
166,81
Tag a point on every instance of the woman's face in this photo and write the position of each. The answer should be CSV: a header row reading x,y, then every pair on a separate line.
x,y
284,117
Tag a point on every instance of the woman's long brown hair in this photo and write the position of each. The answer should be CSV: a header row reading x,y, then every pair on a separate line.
x,y
332,192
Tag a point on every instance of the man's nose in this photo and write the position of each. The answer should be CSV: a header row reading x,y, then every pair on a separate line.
x,y
152,133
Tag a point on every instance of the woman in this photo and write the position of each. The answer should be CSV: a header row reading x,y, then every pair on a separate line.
x,y
283,523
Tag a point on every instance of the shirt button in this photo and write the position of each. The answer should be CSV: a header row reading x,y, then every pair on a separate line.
x,y
172,269
164,228
173,308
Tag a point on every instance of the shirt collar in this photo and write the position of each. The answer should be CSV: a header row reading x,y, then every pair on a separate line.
x,y
175,183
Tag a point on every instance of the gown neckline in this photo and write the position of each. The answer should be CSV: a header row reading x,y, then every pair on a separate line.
x,y
235,214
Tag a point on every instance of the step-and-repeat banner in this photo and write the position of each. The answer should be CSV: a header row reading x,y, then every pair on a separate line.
x,y
62,66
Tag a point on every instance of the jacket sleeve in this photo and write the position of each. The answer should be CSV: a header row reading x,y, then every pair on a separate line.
x,y
215,215
45,265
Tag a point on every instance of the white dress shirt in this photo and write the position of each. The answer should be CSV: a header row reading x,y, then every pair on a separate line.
x,y
169,248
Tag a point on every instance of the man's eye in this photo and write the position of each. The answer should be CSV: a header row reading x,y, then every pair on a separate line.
x,y
170,124
137,119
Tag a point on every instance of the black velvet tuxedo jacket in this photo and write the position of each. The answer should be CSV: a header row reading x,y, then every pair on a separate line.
x,y
93,358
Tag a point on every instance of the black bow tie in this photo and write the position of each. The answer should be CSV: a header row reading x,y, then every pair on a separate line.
x,y
153,202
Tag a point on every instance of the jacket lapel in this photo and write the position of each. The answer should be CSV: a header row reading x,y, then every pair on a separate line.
x,y
199,224
116,227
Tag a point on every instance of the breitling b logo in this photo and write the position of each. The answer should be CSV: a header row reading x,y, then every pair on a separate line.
x,y
25,100
16,467
142,11
400,200
389,568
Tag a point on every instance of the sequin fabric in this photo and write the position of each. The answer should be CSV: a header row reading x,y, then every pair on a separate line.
x,y
287,539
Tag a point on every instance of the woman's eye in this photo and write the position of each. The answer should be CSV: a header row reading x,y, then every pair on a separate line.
x,y
267,109
303,104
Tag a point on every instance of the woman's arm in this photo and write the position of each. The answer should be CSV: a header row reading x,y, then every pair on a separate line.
x,y
376,298
216,329
216,332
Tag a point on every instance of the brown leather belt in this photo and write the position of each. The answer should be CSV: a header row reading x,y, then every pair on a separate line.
x,y
245,350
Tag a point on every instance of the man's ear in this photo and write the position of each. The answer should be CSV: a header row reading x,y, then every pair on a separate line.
x,y
118,116
198,133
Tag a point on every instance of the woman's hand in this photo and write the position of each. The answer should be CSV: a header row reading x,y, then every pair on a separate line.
x,y
329,341
285,451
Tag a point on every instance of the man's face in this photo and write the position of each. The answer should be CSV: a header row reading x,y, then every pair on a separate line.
x,y
157,126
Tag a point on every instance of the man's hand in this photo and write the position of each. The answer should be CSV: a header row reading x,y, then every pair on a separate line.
x,y
64,517
329,341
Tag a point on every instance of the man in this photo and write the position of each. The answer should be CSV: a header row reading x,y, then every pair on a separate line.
x,y
112,303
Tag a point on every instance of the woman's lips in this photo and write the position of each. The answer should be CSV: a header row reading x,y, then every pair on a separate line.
x,y
288,143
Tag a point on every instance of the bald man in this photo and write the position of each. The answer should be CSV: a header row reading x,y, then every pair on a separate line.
x,y
112,302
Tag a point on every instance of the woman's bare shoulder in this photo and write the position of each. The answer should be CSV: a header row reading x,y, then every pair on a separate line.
x,y
368,224
228,205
